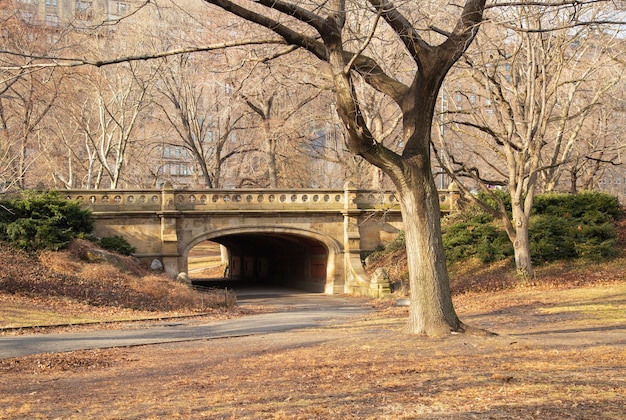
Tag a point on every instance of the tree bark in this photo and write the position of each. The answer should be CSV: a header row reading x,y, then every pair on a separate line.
x,y
432,312
521,244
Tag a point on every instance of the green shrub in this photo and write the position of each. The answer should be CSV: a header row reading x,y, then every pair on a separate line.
x,y
488,198
34,221
567,226
397,244
551,239
474,233
597,206
563,226
596,242
475,238
117,244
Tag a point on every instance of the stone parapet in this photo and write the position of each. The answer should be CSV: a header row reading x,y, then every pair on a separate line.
x,y
243,200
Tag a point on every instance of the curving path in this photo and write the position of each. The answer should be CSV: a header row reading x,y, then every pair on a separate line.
x,y
291,310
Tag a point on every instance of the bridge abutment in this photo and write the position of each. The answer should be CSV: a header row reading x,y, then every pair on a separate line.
x,y
357,280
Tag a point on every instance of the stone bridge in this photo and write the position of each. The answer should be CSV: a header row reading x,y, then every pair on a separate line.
x,y
307,239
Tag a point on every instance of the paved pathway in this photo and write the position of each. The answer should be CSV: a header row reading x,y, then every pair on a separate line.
x,y
292,310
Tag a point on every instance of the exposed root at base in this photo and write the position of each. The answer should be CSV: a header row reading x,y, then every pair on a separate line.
x,y
469,330
445,331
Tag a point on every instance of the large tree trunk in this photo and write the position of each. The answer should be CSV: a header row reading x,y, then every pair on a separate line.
x,y
431,312
521,242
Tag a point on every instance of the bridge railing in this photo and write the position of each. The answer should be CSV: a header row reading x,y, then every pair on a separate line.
x,y
117,200
168,199
262,200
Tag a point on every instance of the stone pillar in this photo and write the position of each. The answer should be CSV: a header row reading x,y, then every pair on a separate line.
x,y
351,235
169,237
454,195
356,281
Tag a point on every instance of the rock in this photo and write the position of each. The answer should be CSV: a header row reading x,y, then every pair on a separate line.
x,y
156,265
94,256
183,278
403,302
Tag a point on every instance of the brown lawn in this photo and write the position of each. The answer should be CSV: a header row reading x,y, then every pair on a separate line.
x,y
561,354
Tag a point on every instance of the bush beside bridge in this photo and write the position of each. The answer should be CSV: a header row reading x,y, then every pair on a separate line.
x,y
573,229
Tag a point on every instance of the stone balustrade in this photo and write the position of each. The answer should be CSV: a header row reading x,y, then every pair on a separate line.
x,y
262,200
244,200
123,200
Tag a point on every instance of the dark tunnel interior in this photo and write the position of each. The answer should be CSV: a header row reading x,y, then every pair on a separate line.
x,y
274,259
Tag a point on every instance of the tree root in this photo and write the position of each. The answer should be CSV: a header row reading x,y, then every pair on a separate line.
x,y
444,331
469,330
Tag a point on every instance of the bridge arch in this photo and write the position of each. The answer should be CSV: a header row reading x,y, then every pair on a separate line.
x,y
277,255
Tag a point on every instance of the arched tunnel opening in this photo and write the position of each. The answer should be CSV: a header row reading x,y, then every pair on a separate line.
x,y
269,259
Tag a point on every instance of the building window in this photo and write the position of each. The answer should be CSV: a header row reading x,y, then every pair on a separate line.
x,y
83,9
27,17
82,5
122,8
52,20
507,69
51,3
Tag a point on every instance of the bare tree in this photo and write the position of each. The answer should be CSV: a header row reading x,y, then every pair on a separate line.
x,y
26,97
599,149
204,115
319,29
285,107
110,117
529,93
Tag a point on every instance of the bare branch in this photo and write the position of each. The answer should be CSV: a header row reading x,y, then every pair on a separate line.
x,y
53,61
365,44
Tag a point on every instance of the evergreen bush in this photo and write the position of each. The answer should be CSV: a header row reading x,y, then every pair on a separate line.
x,y
567,226
474,235
397,244
551,239
117,244
34,221
563,226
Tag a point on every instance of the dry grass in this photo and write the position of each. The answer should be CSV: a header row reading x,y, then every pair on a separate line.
x,y
364,369
474,276
63,287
